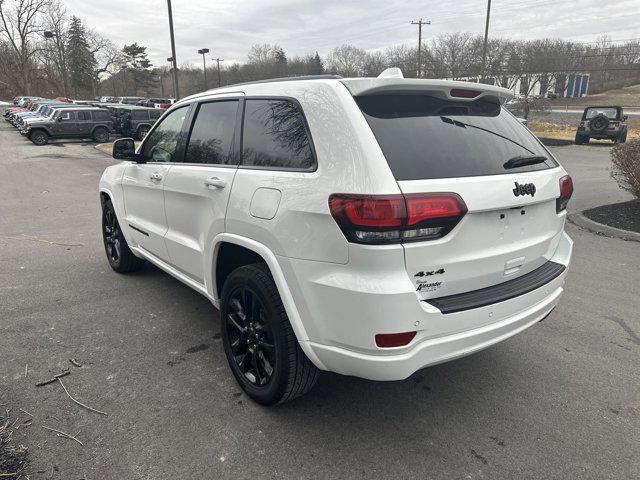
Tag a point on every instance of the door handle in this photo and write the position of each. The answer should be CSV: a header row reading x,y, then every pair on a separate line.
x,y
155,176
215,182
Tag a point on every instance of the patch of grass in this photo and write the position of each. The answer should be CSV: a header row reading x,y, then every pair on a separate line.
x,y
624,97
553,131
108,147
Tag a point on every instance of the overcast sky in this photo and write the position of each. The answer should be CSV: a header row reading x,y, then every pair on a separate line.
x,y
229,27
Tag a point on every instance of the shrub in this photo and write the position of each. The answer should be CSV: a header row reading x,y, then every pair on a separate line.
x,y
626,166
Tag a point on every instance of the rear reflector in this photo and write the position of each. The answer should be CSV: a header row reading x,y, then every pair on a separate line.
x,y
464,93
377,219
566,190
389,340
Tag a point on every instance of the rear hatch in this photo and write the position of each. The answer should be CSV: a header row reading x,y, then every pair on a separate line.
x,y
462,142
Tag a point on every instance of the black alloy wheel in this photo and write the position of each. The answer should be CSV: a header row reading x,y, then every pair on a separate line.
x,y
101,135
250,337
39,137
111,232
262,350
120,257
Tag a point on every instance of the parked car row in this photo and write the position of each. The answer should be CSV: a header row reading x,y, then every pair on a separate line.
x,y
43,119
162,103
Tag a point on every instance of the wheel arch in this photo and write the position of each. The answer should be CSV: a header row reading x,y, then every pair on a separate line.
x,y
95,127
41,129
257,250
107,194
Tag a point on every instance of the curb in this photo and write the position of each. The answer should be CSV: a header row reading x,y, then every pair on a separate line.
x,y
601,229
555,142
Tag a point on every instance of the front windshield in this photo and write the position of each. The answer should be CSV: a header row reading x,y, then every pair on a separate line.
x,y
608,112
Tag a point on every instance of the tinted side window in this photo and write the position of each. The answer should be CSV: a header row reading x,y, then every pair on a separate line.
x,y
161,144
155,114
275,135
84,116
65,115
139,115
101,115
211,139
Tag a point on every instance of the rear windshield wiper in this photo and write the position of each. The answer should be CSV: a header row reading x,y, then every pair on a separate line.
x,y
523,160
464,125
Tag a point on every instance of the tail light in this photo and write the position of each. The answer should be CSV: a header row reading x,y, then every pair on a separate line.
x,y
380,219
390,340
566,190
615,124
582,124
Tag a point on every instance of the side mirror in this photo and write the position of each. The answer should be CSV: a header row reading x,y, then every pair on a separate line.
x,y
59,119
625,117
124,149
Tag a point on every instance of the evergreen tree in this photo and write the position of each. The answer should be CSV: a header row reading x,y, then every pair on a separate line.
x,y
280,67
80,58
316,67
136,61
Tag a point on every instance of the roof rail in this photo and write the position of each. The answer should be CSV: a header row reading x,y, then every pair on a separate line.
x,y
283,79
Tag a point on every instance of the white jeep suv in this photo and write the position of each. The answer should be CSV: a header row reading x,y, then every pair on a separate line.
x,y
365,226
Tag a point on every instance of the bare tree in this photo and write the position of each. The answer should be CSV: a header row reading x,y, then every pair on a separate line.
x,y
347,60
54,52
108,57
20,23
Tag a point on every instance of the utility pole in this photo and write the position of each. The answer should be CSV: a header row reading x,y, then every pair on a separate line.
x,y
218,60
203,52
486,39
173,77
420,23
176,92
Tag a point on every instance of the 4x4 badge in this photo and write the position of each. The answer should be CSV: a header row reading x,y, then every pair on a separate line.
x,y
526,189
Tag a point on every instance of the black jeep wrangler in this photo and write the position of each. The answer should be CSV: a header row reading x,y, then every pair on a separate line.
x,y
80,122
131,120
601,123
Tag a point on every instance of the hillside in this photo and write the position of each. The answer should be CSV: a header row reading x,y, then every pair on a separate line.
x,y
625,97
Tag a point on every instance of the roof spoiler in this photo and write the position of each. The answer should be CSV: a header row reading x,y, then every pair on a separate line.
x,y
391,81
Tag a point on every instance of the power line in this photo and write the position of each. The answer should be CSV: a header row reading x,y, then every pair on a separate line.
x,y
420,23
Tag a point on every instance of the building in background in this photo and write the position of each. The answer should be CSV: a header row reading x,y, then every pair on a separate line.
x,y
557,85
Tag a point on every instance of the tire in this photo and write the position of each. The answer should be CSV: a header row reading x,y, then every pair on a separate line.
x,y
101,135
599,123
120,257
260,345
581,139
142,132
622,138
39,137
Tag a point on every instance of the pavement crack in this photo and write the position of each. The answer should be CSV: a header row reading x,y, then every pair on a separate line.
x,y
41,240
633,336
479,457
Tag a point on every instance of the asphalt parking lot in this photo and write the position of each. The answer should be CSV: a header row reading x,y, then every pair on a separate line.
x,y
559,401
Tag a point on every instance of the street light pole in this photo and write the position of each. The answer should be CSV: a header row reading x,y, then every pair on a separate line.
x,y
202,52
486,39
173,79
176,92
60,51
218,60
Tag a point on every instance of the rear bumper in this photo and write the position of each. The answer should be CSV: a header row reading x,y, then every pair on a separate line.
x,y
437,350
467,332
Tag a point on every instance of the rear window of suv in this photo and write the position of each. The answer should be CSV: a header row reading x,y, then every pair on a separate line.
x,y
424,137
